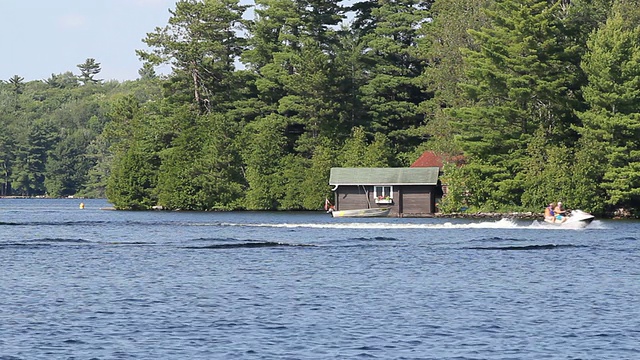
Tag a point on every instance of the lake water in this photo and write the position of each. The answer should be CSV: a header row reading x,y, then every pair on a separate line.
x,y
98,284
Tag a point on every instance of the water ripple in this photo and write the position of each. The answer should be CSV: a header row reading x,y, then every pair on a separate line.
x,y
527,247
150,285
247,245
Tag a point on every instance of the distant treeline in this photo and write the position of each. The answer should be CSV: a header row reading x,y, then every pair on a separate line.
x,y
540,98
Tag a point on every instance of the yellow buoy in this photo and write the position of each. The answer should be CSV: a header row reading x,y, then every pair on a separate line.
x,y
81,205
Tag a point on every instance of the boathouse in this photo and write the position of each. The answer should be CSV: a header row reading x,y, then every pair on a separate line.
x,y
408,192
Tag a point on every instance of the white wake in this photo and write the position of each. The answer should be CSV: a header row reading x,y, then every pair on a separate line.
x,y
499,224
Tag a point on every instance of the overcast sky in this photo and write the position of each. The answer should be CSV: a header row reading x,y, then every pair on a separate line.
x,y
41,37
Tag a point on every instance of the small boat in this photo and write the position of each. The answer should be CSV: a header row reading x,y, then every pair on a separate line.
x,y
373,212
577,218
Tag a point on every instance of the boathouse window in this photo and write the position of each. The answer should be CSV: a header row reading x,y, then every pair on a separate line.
x,y
383,192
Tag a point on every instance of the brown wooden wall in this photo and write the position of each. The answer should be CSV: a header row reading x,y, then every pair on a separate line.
x,y
418,200
349,197
408,200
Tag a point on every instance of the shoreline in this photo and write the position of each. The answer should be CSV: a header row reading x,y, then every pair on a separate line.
x,y
619,214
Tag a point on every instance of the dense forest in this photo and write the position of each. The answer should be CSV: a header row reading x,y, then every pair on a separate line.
x,y
540,97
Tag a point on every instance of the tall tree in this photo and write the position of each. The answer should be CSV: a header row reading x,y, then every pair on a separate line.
x,y
29,169
265,147
66,167
202,43
441,48
201,170
612,123
292,49
7,155
88,69
147,72
358,151
17,84
134,178
392,92
519,80
315,179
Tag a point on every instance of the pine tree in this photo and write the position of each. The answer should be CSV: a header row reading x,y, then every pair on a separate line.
x,y
202,43
88,70
392,92
519,81
441,48
17,84
612,123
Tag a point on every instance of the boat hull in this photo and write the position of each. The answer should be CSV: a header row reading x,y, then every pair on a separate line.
x,y
375,212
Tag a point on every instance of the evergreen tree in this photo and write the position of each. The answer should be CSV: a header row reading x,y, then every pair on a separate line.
x,y
264,147
147,72
354,150
202,44
315,186
546,172
66,168
292,49
201,170
294,170
28,174
612,123
133,179
7,149
359,152
392,92
310,97
17,83
441,48
88,70
519,78
62,81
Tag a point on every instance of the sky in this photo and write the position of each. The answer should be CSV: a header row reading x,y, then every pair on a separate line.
x,y
43,37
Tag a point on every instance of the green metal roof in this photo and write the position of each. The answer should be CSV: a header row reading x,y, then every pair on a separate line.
x,y
384,176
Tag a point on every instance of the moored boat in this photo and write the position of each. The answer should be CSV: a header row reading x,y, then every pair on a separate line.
x,y
372,212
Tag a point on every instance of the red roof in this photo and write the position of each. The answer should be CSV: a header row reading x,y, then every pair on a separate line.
x,y
430,158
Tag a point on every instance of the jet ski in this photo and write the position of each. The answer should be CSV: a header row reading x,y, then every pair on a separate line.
x,y
576,218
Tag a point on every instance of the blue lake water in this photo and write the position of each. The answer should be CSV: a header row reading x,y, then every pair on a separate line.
x,y
98,284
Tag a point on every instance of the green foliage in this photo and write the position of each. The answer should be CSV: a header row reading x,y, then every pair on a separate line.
x,y
315,184
17,83
66,169
612,124
441,47
265,143
354,150
88,70
546,176
199,171
147,72
6,161
133,181
392,93
292,191
201,43
587,174
31,158
456,199
541,98
517,82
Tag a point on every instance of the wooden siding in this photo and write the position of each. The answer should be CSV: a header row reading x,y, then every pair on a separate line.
x,y
355,197
408,200
418,200
351,197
